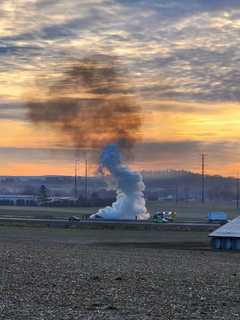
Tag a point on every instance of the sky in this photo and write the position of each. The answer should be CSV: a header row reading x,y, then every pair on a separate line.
x,y
182,62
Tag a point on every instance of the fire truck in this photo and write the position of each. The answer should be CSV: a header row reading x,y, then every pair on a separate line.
x,y
164,216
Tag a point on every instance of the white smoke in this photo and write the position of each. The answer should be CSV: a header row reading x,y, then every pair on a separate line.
x,y
130,203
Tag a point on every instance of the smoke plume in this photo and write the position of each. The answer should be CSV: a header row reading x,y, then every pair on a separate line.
x,y
90,103
130,203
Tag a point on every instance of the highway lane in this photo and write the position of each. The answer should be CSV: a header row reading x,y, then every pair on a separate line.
x,y
65,223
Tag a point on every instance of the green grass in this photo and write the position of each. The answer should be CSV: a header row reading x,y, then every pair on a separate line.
x,y
42,212
193,210
86,236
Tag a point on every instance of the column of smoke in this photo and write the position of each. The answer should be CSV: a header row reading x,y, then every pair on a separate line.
x,y
90,104
130,203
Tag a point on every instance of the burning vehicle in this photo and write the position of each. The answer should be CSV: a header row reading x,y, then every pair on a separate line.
x,y
96,216
74,219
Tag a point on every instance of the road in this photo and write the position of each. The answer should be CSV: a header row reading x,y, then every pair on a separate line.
x,y
65,223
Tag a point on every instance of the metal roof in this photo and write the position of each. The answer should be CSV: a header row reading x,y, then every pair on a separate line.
x,y
230,229
16,196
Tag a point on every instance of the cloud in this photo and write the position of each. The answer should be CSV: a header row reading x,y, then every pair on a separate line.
x,y
180,51
186,148
185,154
11,111
192,45
187,7
37,154
16,50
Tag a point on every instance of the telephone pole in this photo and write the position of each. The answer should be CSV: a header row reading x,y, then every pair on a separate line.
x,y
176,189
203,178
237,192
176,193
75,179
86,179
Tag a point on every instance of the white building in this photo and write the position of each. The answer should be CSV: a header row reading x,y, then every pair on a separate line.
x,y
18,199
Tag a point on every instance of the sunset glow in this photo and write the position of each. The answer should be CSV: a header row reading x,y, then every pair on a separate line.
x,y
182,70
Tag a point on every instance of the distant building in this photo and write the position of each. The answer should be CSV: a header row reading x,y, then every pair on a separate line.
x,y
12,199
168,197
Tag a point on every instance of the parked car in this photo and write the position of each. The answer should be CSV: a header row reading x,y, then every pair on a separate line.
x,y
217,217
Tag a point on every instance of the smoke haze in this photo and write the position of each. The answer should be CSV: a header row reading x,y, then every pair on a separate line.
x,y
90,103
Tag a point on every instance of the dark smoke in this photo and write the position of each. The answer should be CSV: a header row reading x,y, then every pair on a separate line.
x,y
90,103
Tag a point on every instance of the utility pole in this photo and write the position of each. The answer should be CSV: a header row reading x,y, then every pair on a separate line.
x,y
176,189
176,193
86,179
237,192
203,178
75,179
